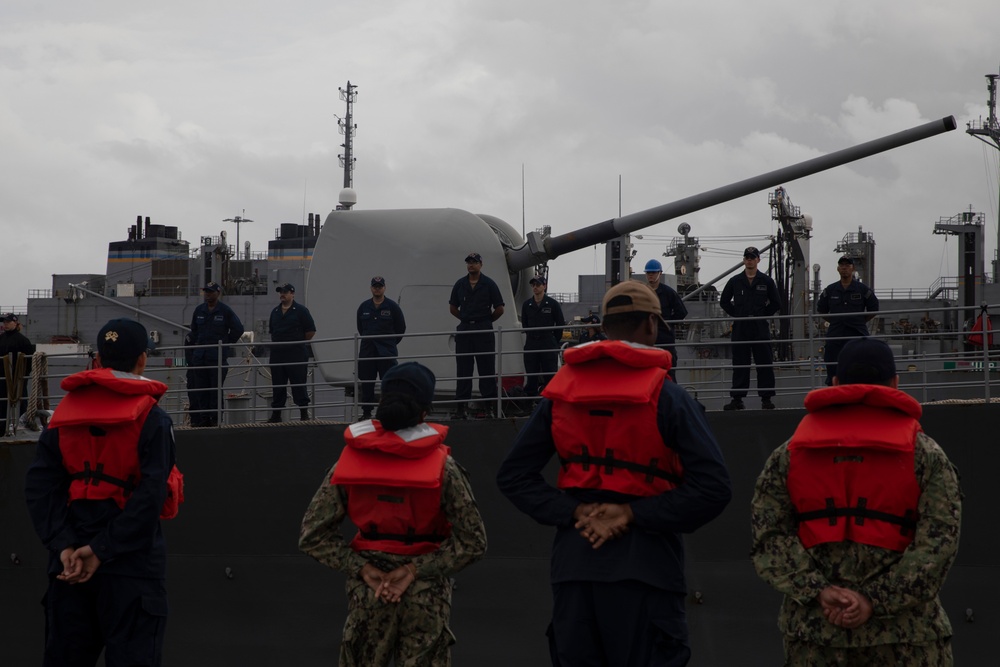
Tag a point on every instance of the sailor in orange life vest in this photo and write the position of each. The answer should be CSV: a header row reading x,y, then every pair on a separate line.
x,y
640,466
397,479
102,479
856,520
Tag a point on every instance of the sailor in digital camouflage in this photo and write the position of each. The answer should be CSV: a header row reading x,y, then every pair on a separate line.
x,y
856,521
416,535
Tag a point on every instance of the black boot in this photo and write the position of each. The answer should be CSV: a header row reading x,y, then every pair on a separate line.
x,y
766,404
275,417
304,414
735,404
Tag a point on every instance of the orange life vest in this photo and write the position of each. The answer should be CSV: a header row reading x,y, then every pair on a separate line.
x,y
851,475
393,481
99,422
604,419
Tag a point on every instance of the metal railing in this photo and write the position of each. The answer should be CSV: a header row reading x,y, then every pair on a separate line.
x,y
933,364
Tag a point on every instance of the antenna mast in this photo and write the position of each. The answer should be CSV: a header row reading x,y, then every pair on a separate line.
x,y
988,132
348,128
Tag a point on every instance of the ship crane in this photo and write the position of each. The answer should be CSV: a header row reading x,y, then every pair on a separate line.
x,y
791,270
988,131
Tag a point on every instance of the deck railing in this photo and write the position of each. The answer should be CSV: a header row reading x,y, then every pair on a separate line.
x,y
934,363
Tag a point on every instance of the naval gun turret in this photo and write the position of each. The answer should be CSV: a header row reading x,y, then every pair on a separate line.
x,y
420,254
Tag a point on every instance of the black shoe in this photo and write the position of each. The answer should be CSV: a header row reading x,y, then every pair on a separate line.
x,y
366,415
460,414
735,404
275,417
766,404
304,414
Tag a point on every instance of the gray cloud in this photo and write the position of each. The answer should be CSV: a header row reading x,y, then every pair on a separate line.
x,y
192,112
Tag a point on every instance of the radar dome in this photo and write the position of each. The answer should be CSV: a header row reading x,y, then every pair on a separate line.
x,y
348,197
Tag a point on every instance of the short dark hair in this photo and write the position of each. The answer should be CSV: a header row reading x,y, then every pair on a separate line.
x,y
621,325
397,410
120,365
407,393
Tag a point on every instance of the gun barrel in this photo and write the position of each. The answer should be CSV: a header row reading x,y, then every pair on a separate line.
x,y
603,232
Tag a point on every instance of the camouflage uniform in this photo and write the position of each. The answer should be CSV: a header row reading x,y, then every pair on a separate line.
x,y
909,625
415,631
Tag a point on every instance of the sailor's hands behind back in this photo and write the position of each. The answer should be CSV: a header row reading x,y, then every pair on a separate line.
x,y
600,522
844,607
388,586
79,565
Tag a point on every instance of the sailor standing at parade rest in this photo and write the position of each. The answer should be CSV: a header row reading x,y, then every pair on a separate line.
x,y
541,348
639,467
751,294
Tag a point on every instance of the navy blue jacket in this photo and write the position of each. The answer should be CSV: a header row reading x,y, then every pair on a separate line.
x,y
475,306
652,551
129,541
673,309
291,325
855,298
208,327
385,319
743,298
548,313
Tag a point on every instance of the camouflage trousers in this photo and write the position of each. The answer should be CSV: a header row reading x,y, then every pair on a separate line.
x,y
930,654
413,632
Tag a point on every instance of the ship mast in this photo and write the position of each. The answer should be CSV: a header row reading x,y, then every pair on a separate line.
x,y
348,128
988,132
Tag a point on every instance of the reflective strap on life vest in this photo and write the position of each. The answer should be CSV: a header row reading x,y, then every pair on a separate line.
x,y
93,476
609,463
410,537
907,523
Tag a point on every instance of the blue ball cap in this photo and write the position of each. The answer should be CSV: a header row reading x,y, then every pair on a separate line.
x,y
410,378
123,339
653,265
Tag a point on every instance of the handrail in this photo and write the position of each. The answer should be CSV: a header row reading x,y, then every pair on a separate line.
x,y
932,365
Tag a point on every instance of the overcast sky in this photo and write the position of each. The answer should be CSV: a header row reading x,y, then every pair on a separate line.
x,y
192,112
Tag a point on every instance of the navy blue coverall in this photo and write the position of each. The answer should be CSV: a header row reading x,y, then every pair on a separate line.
x,y
377,355
208,327
122,609
289,362
855,298
743,298
474,342
622,604
541,348
672,309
